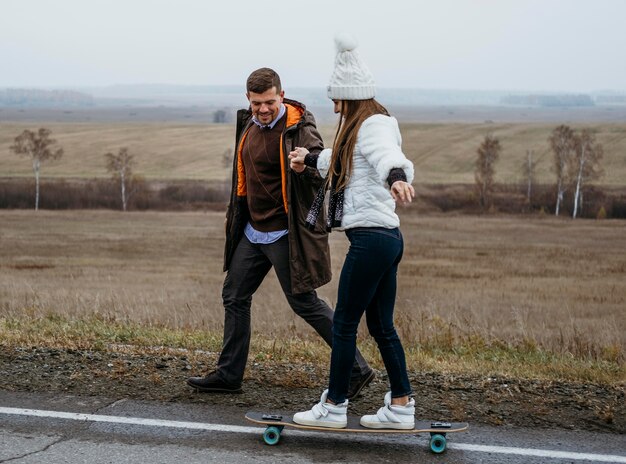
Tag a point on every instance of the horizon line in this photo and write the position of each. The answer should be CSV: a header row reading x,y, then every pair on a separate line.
x,y
240,88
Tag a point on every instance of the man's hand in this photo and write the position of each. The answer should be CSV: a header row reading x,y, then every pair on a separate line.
x,y
296,158
402,192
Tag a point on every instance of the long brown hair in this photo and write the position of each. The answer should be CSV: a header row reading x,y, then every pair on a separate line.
x,y
353,113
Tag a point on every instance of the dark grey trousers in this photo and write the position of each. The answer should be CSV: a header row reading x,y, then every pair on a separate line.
x,y
249,266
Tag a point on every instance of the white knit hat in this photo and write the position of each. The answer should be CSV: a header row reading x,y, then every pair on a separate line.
x,y
351,79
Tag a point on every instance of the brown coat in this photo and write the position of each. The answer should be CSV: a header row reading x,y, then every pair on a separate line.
x,y
309,254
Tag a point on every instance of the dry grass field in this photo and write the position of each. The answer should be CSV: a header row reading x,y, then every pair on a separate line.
x,y
516,320
533,285
162,151
442,153
545,283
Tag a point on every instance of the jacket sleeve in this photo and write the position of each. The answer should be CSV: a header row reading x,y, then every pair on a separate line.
x,y
309,136
323,162
379,141
311,139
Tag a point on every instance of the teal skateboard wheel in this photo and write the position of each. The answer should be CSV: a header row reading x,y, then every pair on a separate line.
x,y
272,435
437,443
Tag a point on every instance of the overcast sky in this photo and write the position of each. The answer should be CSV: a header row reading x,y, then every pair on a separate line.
x,y
536,45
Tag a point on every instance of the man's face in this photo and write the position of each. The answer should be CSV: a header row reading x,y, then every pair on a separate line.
x,y
266,106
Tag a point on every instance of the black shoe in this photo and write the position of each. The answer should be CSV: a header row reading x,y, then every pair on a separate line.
x,y
359,383
212,383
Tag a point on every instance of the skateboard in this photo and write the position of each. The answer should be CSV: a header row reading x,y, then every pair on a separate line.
x,y
275,423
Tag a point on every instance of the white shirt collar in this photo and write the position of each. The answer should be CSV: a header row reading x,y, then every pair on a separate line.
x,y
271,125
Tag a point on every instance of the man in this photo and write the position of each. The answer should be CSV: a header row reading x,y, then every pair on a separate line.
x,y
265,227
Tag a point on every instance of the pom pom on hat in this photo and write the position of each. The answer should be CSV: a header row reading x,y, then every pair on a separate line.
x,y
345,42
351,78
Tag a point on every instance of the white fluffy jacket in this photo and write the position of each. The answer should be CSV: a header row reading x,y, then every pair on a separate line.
x,y
367,198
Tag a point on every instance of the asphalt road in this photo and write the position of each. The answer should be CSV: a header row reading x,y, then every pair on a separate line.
x,y
52,428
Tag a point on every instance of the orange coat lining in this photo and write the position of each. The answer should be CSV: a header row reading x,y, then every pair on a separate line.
x,y
242,190
293,116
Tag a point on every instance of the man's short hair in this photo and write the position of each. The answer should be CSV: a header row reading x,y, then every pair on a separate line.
x,y
262,80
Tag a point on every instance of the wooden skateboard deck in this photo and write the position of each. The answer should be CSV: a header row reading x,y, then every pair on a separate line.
x,y
275,423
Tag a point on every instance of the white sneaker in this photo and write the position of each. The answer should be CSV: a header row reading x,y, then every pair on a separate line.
x,y
392,416
324,414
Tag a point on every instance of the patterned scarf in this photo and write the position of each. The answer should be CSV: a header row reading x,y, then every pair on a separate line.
x,y
335,206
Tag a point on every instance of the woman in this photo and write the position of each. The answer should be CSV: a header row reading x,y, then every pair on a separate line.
x,y
366,173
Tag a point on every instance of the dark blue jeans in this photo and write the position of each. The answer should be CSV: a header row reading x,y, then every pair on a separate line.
x,y
368,285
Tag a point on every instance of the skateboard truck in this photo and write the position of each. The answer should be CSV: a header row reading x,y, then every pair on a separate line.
x,y
440,425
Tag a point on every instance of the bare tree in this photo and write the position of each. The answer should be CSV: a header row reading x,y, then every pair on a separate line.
x,y
120,166
39,146
585,168
488,154
562,143
220,117
528,172
227,157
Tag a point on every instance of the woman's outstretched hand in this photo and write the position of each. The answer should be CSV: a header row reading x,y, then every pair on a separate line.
x,y
402,192
296,159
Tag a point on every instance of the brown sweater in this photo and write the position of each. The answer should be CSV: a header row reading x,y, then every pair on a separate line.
x,y
261,161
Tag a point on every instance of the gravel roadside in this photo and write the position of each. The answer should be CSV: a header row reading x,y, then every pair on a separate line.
x,y
288,387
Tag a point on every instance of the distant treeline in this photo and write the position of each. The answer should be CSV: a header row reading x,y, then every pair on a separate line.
x,y
511,199
548,101
199,195
611,99
44,98
105,194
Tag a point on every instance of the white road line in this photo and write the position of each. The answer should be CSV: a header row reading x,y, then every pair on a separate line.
x,y
129,420
240,429
539,453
